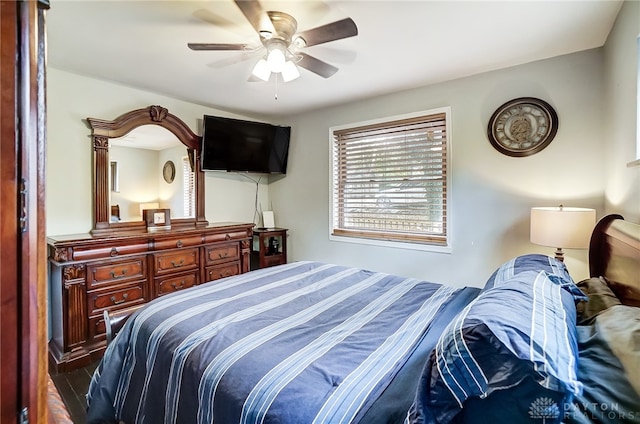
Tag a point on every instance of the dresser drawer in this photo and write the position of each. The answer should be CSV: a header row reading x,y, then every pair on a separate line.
x,y
97,329
221,253
175,283
222,271
226,236
175,261
116,272
177,242
122,297
85,253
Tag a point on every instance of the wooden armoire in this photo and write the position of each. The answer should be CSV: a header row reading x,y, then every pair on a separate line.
x,y
23,326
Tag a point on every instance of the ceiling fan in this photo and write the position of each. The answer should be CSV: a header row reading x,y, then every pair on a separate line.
x,y
283,44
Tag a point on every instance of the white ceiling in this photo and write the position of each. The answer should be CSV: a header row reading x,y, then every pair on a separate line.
x,y
149,137
400,45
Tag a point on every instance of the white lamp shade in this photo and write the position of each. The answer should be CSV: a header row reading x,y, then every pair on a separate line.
x,y
276,59
262,70
290,71
562,227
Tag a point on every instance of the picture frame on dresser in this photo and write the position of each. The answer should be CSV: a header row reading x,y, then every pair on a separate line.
x,y
157,219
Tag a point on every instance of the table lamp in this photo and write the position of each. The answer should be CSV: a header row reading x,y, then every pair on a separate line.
x,y
562,227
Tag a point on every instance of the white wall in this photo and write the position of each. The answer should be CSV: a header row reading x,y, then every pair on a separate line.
x,y
69,187
621,99
138,175
492,193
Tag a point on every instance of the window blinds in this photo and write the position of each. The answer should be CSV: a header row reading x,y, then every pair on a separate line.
x,y
188,188
389,180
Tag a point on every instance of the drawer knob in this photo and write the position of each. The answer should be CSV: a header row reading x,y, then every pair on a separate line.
x,y
227,237
223,255
114,252
177,264
117,302
122,274
178,286
179,244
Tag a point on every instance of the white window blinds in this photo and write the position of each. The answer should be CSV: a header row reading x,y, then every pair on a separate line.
x,y
389,180
188,188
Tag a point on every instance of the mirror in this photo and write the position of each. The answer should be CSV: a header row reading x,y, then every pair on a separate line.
x,y
144,159
149,165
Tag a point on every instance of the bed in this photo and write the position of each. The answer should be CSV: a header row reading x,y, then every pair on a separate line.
x,y
310,342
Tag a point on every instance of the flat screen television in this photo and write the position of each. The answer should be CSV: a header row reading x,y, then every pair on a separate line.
x,y
235,145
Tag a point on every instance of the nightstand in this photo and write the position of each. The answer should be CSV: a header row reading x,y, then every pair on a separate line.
x,y
269,247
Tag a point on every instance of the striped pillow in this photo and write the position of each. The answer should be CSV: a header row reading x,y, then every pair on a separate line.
x,y
520,332
531,262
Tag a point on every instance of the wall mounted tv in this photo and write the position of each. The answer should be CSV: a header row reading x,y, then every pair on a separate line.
x,y
234,145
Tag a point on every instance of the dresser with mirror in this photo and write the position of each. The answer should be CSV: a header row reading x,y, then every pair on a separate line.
x,y
144,159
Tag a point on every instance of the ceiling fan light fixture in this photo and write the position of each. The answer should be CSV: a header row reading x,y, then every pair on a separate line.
x,y
262,70
290,71
276,59
280,37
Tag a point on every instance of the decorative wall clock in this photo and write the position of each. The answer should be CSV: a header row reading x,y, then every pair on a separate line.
x,y
169,171
522,127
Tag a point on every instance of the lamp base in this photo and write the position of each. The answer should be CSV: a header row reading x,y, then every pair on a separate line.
x,y
559,254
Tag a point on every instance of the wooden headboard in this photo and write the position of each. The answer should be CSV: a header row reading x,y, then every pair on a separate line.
x,y
614,253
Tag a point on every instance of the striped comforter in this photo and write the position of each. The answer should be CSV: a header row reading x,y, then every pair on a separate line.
x,y
299,343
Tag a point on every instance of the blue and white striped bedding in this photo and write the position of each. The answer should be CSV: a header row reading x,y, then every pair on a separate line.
x,y
510,349
299,343
531,262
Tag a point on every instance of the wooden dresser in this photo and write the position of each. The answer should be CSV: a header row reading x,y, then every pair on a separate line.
x,y
90,274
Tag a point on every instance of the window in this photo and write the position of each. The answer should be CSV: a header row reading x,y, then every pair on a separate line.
x,y
188,188
389,179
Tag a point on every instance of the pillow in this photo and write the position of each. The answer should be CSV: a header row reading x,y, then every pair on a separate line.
x,y
531,262
600,297
516,338
620,326
609,367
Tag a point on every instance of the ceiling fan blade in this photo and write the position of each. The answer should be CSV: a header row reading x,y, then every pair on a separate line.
x,y
211,18
252,10
338,56
338,30
316,66
236,58
217,46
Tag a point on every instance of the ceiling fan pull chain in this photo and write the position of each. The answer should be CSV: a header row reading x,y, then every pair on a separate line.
x,y
276,96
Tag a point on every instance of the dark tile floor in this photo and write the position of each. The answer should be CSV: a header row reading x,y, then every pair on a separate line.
x,y
73,387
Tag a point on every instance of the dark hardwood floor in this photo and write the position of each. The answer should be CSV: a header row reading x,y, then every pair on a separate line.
x,y
73,387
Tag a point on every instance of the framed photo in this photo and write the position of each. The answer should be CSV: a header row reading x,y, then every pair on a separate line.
x,y
268,220
157,219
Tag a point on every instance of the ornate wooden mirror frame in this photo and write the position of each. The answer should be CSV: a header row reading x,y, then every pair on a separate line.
x,y
103,130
